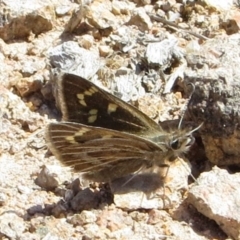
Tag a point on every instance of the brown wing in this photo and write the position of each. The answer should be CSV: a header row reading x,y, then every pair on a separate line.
x,y
83,102
103,154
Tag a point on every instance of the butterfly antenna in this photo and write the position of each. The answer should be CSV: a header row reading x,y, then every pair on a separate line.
x,y
186,105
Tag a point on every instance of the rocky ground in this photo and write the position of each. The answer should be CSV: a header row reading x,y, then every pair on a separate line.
x,y
142,51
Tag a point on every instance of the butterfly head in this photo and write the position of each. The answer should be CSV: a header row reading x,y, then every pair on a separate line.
x,y
179,142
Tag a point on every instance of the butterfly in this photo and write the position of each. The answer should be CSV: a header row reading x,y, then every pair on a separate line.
x,y
106,138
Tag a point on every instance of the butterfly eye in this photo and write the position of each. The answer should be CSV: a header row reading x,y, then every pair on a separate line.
x,y
175,144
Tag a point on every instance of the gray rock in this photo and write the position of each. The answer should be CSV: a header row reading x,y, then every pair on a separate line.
x,y
47,179
216,98
127,85
161,53
71,58
84,200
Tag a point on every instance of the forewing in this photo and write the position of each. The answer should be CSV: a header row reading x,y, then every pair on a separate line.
x,y
83,102
103,154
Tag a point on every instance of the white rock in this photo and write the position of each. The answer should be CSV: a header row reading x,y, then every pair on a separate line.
x,y
11,225
216,195
150,191
220,4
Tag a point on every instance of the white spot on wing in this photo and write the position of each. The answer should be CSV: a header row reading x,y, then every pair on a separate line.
x,y
70,139
88,93
81,132
112,108
92,119
82,102
93,112
80,96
